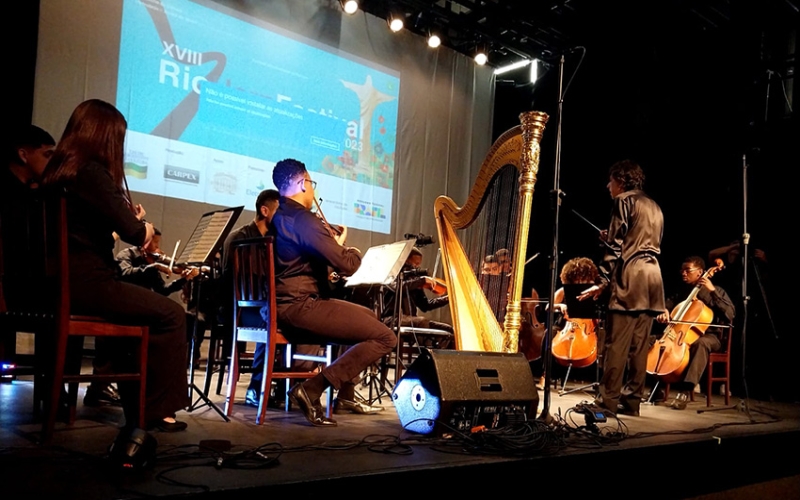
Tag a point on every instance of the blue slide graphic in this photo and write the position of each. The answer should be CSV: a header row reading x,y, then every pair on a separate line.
x,y
214,98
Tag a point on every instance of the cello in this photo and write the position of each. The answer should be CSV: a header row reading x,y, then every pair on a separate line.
x,y
669,356
532,331
576,344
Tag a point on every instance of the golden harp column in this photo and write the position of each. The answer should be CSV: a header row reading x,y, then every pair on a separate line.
x,y
533,123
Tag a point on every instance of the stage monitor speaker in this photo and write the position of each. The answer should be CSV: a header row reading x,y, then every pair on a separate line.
x,y
446,391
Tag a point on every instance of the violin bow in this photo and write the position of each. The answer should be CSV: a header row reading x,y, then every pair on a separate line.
x,y
595,227
172,259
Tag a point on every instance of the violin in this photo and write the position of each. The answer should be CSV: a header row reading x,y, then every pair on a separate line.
x,y
435,285
177,267
532,331
334,230
669,356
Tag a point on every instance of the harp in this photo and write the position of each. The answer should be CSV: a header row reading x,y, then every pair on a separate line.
x,y
485,304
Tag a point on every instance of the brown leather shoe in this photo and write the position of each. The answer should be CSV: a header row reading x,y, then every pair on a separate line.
x,y
623,409
342,405
680,401
311,409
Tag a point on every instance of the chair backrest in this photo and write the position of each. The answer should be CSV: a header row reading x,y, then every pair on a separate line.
x,y
254,277
39,285
726,336
58,256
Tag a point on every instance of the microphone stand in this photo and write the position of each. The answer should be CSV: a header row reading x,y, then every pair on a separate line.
x,y
548,337
743,405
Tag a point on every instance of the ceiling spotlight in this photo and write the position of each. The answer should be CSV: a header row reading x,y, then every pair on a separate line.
x,y
534,70
434,41
396,23
349,6
481,58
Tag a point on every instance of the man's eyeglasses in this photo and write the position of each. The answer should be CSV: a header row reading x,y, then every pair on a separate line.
x,y
689,270
313,183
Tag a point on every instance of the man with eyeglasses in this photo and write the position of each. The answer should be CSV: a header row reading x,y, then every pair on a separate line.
x,y
304,250
720,303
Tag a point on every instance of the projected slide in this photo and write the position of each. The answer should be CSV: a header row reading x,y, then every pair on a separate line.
x,y
214,100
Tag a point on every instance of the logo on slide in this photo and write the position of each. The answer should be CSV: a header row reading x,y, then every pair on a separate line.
x,y
369,211
135,165
135,170
224,183
180,174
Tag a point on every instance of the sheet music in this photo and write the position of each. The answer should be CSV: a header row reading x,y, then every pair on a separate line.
x,y
380,265
207,235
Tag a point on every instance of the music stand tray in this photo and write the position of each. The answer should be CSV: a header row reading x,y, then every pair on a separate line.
x,y
381,264
583,309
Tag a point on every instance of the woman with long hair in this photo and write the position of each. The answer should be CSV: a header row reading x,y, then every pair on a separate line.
x,y
88,165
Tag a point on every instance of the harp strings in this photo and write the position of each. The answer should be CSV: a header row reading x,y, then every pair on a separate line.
x,y
491,245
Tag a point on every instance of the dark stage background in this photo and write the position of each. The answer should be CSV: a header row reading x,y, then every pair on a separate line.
x,y
688,105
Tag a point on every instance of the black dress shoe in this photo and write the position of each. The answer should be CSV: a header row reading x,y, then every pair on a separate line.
x,y
342,405
164,426
99,397
598,401
311,409
623,409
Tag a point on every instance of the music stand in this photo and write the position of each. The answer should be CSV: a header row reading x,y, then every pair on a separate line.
x,y
582,309
381,265
205,241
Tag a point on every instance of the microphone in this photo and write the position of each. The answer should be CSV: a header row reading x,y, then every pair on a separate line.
x,y
415,273
422,240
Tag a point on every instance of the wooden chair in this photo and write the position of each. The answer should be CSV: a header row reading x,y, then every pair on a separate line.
x,y
55,328
723,358
253,287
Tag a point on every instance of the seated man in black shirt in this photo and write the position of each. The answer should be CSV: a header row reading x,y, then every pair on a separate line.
x,y
28,151
304,250
266,205
713,296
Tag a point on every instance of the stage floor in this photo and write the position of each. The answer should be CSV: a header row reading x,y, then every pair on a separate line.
x,y
663,453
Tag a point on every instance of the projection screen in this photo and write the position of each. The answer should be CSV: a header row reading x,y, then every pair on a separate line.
x,y
216,92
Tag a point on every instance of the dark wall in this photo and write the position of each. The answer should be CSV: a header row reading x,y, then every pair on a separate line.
x,y
21,25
